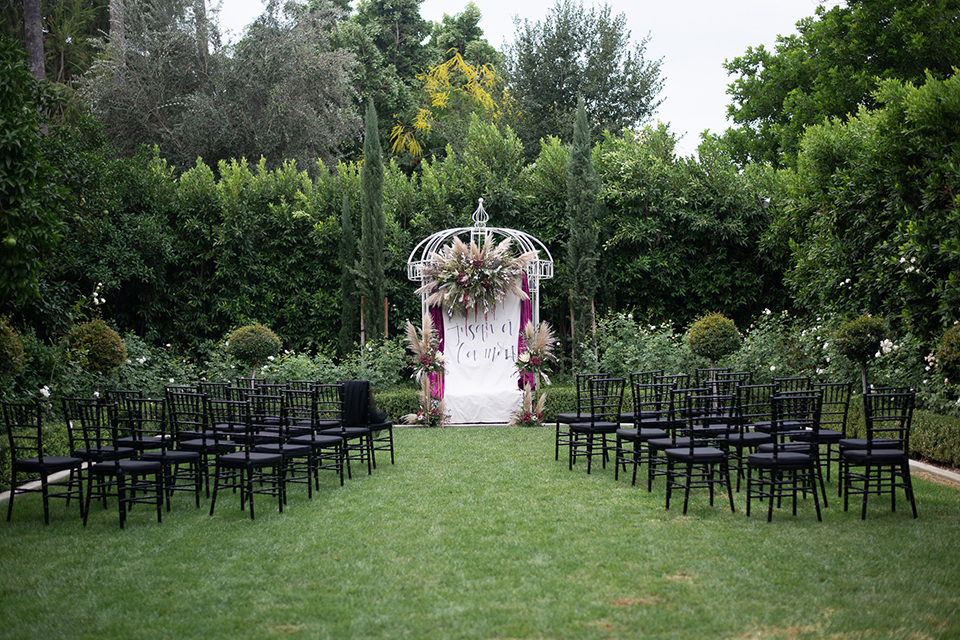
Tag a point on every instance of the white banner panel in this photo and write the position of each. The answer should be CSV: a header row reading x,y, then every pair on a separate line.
x,y
480,355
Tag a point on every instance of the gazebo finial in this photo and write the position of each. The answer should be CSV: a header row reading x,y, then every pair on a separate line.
x,y
480,216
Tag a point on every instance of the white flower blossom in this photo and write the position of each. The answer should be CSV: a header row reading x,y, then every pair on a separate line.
x,y
773,368
171,380
45,391
96,394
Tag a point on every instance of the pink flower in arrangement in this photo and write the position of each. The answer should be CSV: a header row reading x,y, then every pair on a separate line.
x,y
535,361
463,279
477,264
426,360
486,283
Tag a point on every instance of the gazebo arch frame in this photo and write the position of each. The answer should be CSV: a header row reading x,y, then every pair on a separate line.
x,y
539,269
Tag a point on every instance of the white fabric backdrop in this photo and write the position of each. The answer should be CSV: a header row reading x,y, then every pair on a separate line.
x,y
480,355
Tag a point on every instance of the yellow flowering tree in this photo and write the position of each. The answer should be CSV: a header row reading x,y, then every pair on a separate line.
x,y
450,92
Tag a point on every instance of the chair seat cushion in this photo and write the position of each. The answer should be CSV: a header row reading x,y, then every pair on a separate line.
x,y
877,456
347,432
784,460
381,426
99,454
805,448
174,456
50,464
748,439
567,418
698,454
595,427
208,446
318,441
240,460
289,450
642,435
668,443
861,443
126,467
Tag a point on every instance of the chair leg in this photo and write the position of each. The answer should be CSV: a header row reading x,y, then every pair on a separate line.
x,y
908,486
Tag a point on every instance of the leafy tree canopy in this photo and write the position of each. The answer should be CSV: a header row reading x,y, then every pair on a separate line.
x,y
579,52
832,67
283,92
871,216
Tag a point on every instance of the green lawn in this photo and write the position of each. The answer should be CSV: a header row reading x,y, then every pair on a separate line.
x,y
479,533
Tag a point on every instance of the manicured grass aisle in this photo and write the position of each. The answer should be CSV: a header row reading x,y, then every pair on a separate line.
x,y
479,533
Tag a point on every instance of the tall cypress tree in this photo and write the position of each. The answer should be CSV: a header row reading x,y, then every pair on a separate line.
x,y
373,227
583,185
350,309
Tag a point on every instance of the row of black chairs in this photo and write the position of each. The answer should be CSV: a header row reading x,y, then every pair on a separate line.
x,y
251,438
695,434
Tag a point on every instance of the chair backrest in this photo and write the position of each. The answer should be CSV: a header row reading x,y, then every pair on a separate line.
x,y
329,404
796,412
143,419
836,405
266,409
249,383
753,405
583,391
215,389
645,377
24,429
234,417
702,376
742,377
700,410
677,380
299,408
270,388
90,418
301,385
796,383
606,399
116,395
651,402
888,413
188,415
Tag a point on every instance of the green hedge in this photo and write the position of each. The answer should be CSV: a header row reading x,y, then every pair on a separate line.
x,y
403,400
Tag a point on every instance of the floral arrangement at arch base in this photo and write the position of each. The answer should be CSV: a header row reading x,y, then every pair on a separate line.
x,y
538,341
464,276
427,360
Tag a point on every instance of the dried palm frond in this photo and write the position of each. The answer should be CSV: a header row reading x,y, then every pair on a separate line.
x,y
461,275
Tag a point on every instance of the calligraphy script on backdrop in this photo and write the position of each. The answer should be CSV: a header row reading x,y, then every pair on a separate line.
x,y
482,341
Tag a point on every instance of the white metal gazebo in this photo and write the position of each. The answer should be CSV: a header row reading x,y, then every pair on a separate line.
x,y
539,269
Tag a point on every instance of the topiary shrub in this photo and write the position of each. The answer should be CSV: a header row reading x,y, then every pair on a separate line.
x,y
948,350
11,350
101,347
859,339
713,337
252,344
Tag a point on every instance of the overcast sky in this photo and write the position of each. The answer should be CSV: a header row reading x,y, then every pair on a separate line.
x,y
693,38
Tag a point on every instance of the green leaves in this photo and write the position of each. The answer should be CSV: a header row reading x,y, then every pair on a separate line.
x,y
30,199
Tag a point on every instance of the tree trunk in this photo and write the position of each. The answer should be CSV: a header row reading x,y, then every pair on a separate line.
x,y
117,30
203,49
33,37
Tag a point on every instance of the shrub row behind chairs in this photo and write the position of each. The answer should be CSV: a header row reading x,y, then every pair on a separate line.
x,y
695,434
254,437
